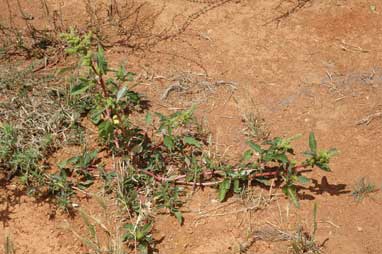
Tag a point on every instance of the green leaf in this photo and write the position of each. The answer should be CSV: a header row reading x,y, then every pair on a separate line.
x,y
290,192
236,186
86,184
148,118
121,93
81,87
191,141
146,229
101,61
121,73
312,143
95,114
168,142
62,164
303,180
281,157
323,166
255,146
143,248
106,129
247,155
179,217
224,187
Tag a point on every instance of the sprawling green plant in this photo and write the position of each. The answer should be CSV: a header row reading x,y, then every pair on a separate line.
x,y
173,153
273,160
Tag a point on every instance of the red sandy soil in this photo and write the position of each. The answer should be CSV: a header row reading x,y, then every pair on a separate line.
x,y
317,70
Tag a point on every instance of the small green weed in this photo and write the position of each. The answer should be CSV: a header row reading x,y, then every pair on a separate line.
x,y
255,127
305,243
362,188
140,235
101,237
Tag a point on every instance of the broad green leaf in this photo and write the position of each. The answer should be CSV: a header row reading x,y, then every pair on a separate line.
x,y
255,146
133,97
81,87
106,129
147,228
95,115
224,187
312,142
168,142
323,166
281,157
303,180
236,186
191,141
247,155
121,93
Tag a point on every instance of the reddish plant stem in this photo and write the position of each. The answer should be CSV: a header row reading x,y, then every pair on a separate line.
x,y
210,173
101,81
198,184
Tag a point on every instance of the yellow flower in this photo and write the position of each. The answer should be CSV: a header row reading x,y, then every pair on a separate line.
x,y
115,120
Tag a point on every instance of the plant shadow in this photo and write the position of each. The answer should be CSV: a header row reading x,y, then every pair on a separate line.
x,y
322,187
